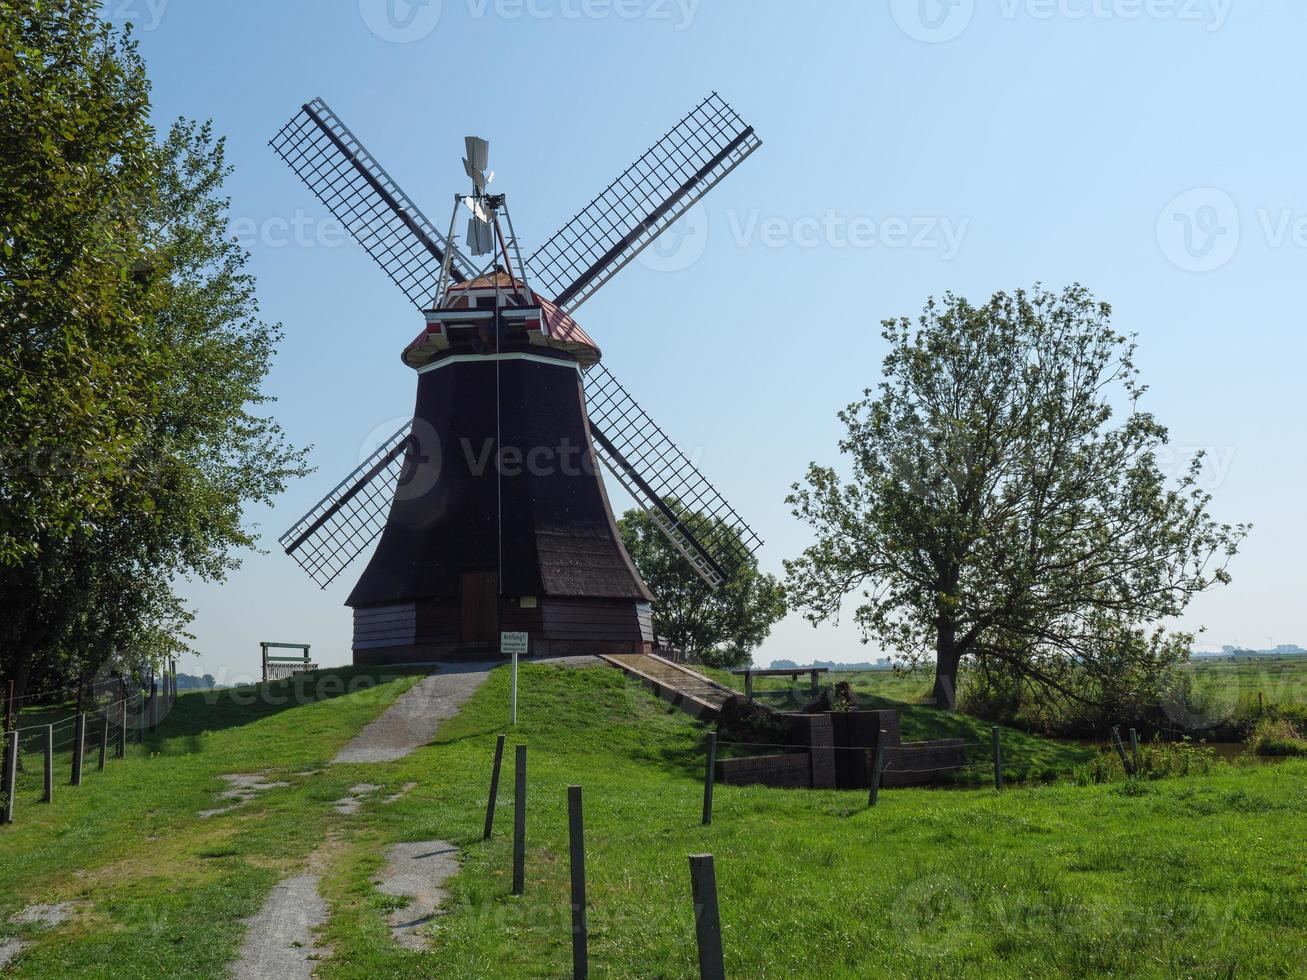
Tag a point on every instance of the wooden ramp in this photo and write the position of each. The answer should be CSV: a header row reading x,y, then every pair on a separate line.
x,y
687,689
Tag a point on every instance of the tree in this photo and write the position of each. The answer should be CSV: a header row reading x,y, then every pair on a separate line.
x,y
720,627
994,512
134,357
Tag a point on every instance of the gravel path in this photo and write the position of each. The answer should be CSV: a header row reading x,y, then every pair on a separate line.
x,y
410,722
279,941
416,871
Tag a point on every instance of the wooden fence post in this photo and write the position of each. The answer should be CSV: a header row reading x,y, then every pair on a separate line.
x,y
7,724
122,729
11,777
707,920
1120,750
877,766
519,823
104,738
709,777
1134,747
748,684
494,787
79,746
154,705
576,835
998,757
48,795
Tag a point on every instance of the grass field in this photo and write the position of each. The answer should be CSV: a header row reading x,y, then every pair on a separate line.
x,y
1184,877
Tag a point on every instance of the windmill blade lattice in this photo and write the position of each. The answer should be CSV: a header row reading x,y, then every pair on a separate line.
x,y
345,177
642,203
663,480
344,522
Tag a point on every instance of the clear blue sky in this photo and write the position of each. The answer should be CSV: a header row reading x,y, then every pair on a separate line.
x,y
1151,149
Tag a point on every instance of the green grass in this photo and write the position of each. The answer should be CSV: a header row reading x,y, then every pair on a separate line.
x,y
1280,680
1196,876
164,893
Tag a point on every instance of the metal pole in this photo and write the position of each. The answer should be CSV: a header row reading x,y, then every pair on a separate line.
x,y
79,745
519,823
708,778
707,920
11,777
48,795
154,705
877,764
494,787
998,757
576,831
513,703
122,728
104,737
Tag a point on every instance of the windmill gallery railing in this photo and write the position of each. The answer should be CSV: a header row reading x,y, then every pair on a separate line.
x,y
31,756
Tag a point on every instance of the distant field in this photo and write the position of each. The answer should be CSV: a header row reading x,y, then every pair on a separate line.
x,y
1280,680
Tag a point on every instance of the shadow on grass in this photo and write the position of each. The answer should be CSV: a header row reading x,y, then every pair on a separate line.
x,y
199,712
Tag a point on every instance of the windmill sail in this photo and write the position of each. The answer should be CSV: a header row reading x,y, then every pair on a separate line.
x,y
366,200
643,202
665,482
344,522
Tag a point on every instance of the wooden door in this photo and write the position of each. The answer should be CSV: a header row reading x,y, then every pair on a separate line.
x,y
480,607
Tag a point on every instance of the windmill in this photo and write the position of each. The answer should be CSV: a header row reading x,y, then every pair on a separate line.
x,y
490,509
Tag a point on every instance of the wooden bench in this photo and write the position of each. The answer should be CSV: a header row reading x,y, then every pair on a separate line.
x,y
793,673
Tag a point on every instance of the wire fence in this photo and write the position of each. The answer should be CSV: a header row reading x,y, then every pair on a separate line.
x,y
30,755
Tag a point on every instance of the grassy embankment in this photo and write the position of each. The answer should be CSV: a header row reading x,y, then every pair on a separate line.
x,y
1197,876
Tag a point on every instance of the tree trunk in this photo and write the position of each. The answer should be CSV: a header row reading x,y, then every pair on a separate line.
x,y
946,679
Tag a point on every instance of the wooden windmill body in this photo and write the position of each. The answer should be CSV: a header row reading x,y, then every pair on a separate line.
x,y
489,509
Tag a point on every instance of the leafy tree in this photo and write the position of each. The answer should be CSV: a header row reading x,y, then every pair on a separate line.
x,y
996,513
720,627
134,356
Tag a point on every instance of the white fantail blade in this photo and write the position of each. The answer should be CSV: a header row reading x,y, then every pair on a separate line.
x,y
478,152
477,208
480,237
